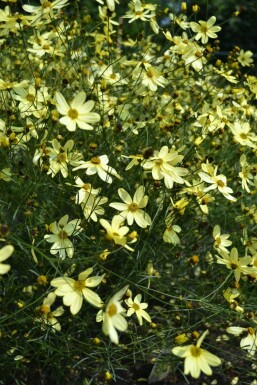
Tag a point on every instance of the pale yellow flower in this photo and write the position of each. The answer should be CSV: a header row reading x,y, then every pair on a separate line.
x,y
116,232
131,210
233,262
205,29
113,316
245,58
74,291
48,317
98,165
62,230
162,165
220,240
249,342
218,182
137,307
5,253
77,113
197,360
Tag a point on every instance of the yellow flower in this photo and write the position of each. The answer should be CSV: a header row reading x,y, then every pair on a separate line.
x,y
196,358
205,29
77,113
5,253
131,210
249,342
220,240
60,237
116,232
245,58
137,307
47,317
113,316
233,262
73,291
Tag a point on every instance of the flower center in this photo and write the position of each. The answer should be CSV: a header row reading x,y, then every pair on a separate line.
x,y
46,4
62,235
112,310
133,207
79,285
234,266
61,157
136,307
220,183
159,162
87,186
73,114
195,351
218,241
44,309
30,98
243,135
95,160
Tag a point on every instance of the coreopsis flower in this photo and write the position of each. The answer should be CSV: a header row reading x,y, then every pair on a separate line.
x,y
220,240
112,316
45,10
170,234
245,58
131,210
197,360
149,76
5,253
48,317
61,156
32,100
60,237
110,4
77,113
245,174
162,165
218,182
74,291
233,262
249,342
138,11
98,165
242,134
92,206
85,190
205,29
116,232
137,307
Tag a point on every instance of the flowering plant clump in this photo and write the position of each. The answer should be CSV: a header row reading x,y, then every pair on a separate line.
x,y
128,216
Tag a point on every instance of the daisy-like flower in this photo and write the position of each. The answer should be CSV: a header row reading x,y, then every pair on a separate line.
x,y
98,165
61,156
149,76
218,182
74,291
245,173
112,316
138,11
85,190
245,58
45,10
5,253
77,113
131,210
48,317
116,232
60,237
249,342
162,166
220,240
242,134
137,307
205,29
170,234
92,206
110,4
233,262
197,360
